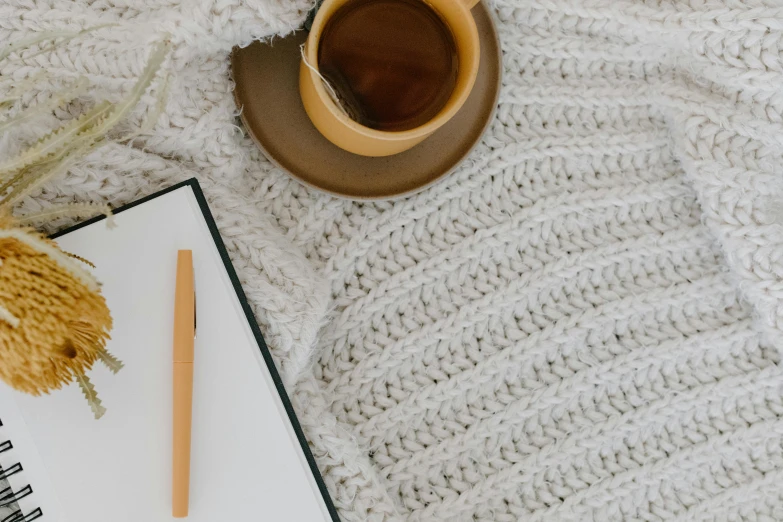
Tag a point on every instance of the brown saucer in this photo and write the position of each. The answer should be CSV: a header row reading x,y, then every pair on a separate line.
x,y
267,90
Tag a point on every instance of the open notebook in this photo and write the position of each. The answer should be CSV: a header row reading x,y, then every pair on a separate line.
x,y
250,460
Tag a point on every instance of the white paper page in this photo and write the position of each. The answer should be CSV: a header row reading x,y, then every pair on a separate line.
x,y
23,453
246,463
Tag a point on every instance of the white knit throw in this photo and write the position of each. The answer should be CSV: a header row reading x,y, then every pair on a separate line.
x,y
582,323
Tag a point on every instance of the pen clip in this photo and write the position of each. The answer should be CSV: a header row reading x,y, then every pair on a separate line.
x,y
195,315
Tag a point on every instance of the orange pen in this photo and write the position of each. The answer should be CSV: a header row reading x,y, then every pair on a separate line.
x,y
184,339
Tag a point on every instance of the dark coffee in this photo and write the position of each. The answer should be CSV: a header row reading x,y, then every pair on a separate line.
x,y
393,63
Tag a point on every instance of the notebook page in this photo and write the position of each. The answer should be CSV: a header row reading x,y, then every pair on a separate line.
x,y
246,463
24,453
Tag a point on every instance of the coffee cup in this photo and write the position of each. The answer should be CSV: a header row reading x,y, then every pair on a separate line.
x,y
339,128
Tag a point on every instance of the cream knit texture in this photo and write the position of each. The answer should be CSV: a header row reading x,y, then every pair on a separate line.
x,y
582,323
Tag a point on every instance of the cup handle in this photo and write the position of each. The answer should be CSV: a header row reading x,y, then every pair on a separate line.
x,y
470,4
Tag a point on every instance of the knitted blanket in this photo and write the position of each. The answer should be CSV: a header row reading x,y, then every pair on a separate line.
x,y
582,323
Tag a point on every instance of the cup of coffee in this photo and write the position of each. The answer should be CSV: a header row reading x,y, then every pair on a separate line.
x,y
379,76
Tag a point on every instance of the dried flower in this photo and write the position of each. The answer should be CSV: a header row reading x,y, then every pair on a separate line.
x,y
54,322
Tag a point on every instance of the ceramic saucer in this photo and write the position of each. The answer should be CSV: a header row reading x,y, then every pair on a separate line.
x,y
267,92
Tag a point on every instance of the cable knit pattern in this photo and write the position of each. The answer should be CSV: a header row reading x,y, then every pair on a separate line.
x,y
583,323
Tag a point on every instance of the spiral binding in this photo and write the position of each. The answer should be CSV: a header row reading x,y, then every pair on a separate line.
x,y
9,496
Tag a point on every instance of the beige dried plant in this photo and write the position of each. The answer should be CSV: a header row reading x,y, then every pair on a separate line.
x,y
54,322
